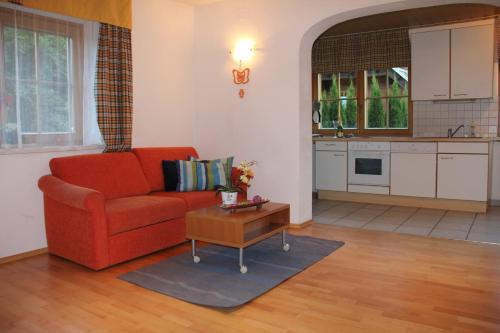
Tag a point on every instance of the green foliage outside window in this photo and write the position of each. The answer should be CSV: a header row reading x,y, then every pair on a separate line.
x,y
404,107
376,113
41,87
350,112
398,106
386,100
329,105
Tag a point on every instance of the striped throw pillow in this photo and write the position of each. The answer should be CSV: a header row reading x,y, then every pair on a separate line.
x,y
199,176
227,162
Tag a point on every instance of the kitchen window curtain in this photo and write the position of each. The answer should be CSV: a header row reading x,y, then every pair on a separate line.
x,y
114,87
361,51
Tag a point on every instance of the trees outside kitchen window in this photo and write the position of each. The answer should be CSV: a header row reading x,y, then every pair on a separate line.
x,y
365,102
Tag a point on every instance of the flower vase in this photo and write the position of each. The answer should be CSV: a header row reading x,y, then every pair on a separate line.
x,y
229,198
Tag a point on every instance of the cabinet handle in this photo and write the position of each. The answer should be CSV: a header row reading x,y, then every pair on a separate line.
x,y
446,158
439,95
339,155
459,94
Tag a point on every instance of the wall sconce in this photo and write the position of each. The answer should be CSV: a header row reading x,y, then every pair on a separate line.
x,y
242,51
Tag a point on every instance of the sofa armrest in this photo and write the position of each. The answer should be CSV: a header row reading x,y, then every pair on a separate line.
x,y
71,195
75,222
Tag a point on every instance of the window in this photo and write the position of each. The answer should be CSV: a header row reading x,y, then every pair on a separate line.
x,y
386,98
42,75
338,100
365,102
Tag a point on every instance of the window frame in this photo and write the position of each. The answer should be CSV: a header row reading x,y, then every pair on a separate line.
x,y
361,88
73,31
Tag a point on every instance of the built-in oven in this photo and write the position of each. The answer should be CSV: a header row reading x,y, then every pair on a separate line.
x,y
369,163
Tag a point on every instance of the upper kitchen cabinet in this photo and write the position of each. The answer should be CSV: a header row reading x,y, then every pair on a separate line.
x,y
453,61
430,65
472,57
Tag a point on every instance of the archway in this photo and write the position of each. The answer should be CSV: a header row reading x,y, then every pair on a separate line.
x,y
305,93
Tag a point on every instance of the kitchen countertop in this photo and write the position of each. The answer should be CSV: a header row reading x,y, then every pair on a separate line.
x,y
405,139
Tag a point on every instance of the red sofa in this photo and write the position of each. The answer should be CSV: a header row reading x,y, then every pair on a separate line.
x,y
103,209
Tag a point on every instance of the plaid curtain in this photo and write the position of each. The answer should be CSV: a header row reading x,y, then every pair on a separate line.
x,y
114,87
361,51
497,31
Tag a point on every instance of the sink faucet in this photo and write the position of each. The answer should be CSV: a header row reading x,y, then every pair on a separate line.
x,y
451,132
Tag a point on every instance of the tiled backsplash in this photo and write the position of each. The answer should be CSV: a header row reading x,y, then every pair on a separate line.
x,y
433,118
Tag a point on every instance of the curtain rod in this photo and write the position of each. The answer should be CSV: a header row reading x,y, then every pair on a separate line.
x,y
413,26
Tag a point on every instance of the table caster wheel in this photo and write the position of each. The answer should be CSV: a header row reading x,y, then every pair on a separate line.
x,y
243,269
196,259
286,247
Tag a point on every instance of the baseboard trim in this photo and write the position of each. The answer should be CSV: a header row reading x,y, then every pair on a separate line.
x,y
397,200
24,255
300,225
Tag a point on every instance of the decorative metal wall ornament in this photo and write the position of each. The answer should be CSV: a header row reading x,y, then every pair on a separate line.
x,y
241,77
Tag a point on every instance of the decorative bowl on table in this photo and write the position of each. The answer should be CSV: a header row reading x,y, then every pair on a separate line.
x,y
256,201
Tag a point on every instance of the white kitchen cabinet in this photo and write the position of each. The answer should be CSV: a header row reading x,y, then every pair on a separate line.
x,y
413,175
462,177
331,170
463,148
430,65
453,61
472,57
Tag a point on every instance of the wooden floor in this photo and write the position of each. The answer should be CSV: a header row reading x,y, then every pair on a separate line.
x,y
377,282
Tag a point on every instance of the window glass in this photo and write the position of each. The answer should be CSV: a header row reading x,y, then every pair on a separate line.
x,y
338,100
348,103
387,98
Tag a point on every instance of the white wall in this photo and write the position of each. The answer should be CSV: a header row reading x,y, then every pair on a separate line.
x,y
272,124
162,55
21,202
162,44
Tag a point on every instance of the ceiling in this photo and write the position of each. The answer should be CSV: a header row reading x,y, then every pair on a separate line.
x,y
413,17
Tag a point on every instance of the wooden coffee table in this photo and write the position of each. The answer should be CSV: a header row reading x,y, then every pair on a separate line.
x,y
238,229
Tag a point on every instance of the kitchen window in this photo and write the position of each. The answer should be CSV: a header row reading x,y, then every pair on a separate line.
x,y
43,68
371,102
339,100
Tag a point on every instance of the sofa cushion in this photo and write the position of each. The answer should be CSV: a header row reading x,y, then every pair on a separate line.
x,y
115,175
124,214
170,176
194,200
151,158
200,176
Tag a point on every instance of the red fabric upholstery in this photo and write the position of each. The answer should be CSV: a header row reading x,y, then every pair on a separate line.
x,y
142,241
130,213
115,175
71,195
150,159
75,222
193,200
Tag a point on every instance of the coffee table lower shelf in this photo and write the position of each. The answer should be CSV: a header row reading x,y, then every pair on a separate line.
x,y
243,269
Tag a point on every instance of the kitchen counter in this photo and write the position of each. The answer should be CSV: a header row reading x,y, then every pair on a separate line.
x,y
405,139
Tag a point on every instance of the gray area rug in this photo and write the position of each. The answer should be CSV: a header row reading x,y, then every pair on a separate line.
x,y
217,282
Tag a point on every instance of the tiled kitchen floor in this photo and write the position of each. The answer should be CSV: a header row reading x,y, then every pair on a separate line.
x,y
415,221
